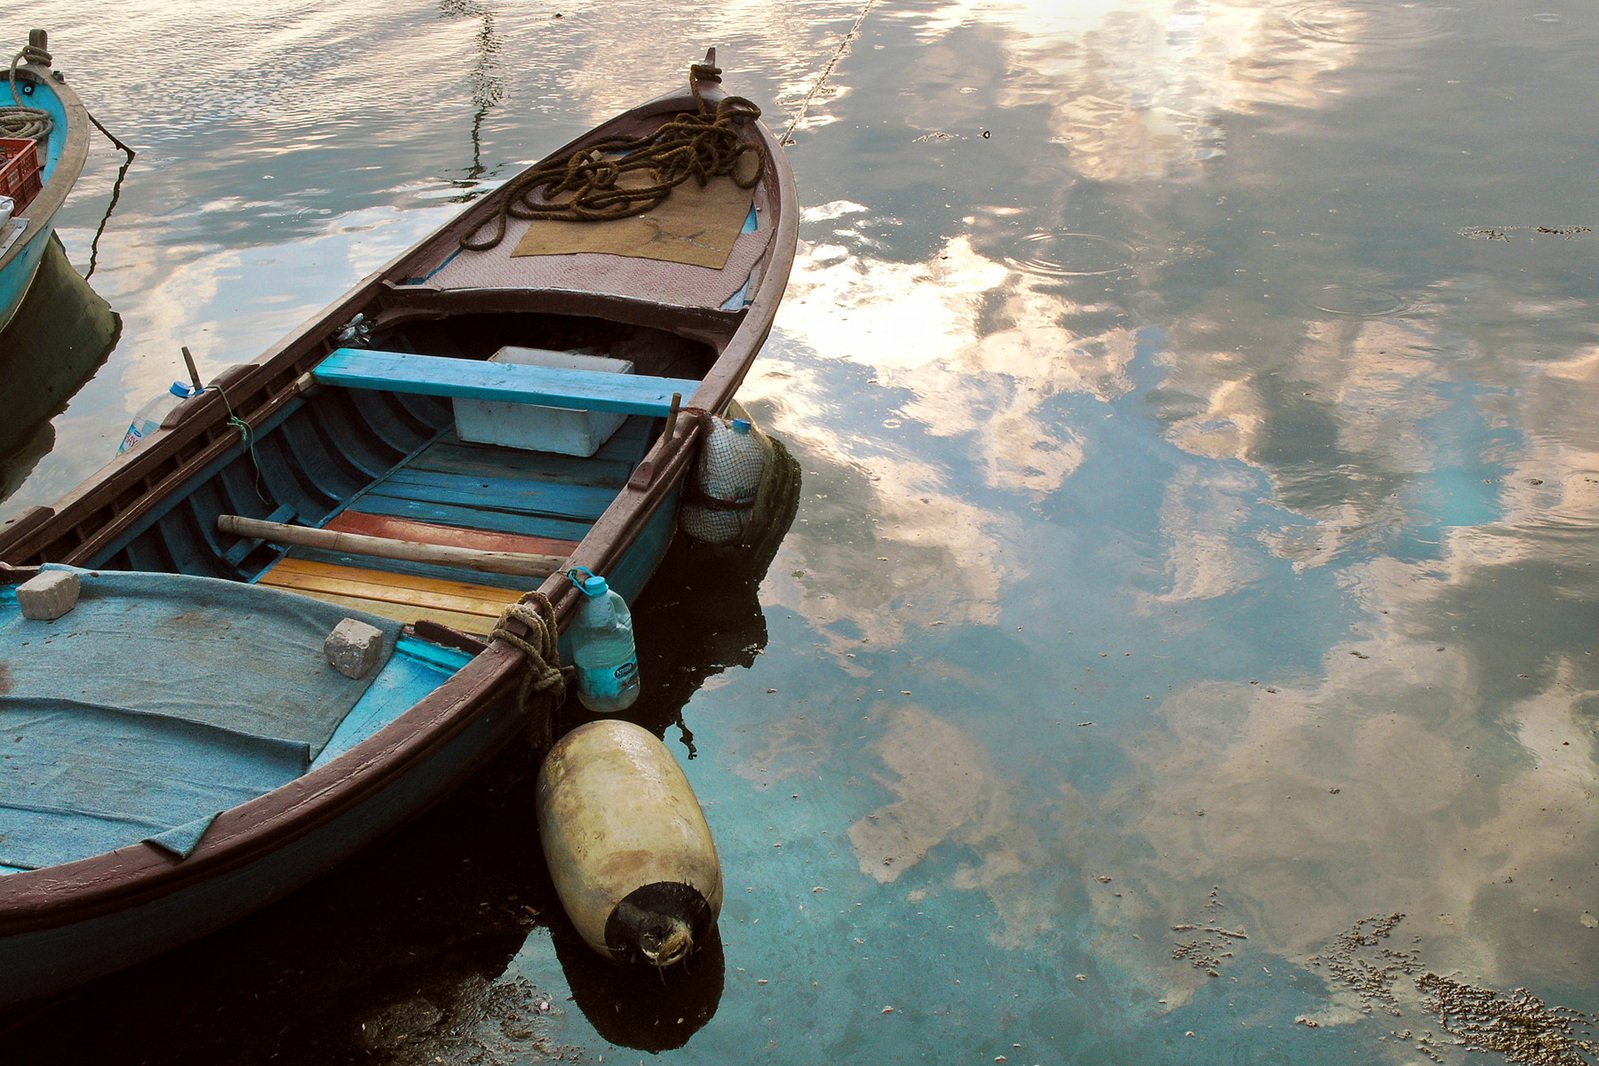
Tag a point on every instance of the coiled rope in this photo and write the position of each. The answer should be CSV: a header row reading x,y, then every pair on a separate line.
x,y
542,678
22,121
587,185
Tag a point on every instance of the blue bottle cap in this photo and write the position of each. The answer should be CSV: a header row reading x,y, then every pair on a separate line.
x,y
741,425
591,584
180,390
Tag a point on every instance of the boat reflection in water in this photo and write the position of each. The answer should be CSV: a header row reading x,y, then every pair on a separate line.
x,y
701,615
61,334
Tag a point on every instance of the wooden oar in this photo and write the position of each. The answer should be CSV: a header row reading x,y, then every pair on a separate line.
x,y
521,564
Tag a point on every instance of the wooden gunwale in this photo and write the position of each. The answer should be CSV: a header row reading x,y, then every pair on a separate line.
x,y
197,435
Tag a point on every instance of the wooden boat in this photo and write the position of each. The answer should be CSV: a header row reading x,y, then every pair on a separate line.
x,y
36,179
329,476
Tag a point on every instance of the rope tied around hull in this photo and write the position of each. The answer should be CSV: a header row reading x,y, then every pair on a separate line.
x,y
619,177
542,678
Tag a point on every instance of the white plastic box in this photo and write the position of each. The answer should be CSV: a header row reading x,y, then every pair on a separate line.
x,y
541,429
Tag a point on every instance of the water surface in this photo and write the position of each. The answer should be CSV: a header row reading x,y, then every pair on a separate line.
x,y
1184,648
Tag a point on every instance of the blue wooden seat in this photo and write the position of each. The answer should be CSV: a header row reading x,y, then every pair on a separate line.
x,y
431,375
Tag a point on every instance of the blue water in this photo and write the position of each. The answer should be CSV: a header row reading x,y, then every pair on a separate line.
x,y
1196,561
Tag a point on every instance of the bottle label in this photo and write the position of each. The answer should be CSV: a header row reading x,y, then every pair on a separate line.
x,y
607,682
133,436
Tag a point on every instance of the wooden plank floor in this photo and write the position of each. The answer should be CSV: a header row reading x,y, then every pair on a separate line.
x,y
506,490
467,495
464,606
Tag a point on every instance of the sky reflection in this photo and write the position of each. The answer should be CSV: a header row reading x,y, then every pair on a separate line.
x,y
1200,501
1340,434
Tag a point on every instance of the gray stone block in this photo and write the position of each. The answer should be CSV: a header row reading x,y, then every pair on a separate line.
x,y
48,596
353,647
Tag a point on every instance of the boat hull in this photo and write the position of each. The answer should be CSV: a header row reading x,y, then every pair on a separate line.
x,y
64,155
121,931
18,274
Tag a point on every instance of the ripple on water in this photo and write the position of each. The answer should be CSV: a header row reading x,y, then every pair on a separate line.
x,y
1356,301
1359,21
1072,255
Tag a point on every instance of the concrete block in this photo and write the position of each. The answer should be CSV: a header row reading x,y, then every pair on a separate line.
x,y
48,596
353,647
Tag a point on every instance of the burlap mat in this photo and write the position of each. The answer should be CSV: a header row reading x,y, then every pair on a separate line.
x,y
694,225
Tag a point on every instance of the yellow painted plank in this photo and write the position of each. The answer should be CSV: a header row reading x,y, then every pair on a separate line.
x,y
380,582
466,623
381,586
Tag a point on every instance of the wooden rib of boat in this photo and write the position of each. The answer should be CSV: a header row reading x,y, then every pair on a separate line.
x,y
347,429
25,235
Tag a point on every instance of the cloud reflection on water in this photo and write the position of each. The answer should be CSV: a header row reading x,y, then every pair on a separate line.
x,y
1185,455
1135,90
1384,450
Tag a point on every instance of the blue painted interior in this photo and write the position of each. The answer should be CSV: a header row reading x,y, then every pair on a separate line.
x,y
416,668
742,297
44,98
485,486
379,452
52,103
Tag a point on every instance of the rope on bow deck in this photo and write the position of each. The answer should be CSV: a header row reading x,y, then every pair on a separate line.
x,y
22,121
588,185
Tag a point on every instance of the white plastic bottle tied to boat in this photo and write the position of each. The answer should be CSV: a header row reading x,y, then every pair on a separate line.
x,y
149,417
731,465
602,646
627,845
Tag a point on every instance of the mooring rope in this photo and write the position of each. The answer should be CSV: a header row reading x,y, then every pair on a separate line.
x,y
542,677
827,71
586,186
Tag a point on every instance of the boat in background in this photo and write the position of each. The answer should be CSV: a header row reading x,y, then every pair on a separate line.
x,y
36,177
517,396
60,336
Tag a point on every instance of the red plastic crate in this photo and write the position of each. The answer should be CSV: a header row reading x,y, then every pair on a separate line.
x,y
20,170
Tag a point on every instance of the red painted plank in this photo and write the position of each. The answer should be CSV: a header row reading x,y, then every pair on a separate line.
x,y
373,525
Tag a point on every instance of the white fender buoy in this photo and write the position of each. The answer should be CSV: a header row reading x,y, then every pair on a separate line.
x,y
627,845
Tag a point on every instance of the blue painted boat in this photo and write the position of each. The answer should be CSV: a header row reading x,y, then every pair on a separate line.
x,y
348,473
26,233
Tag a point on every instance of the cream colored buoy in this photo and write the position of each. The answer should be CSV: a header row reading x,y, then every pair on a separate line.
x,y
627,844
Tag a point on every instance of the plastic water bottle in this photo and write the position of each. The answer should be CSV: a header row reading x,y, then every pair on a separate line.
x,y
152,414
602,646
731,466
